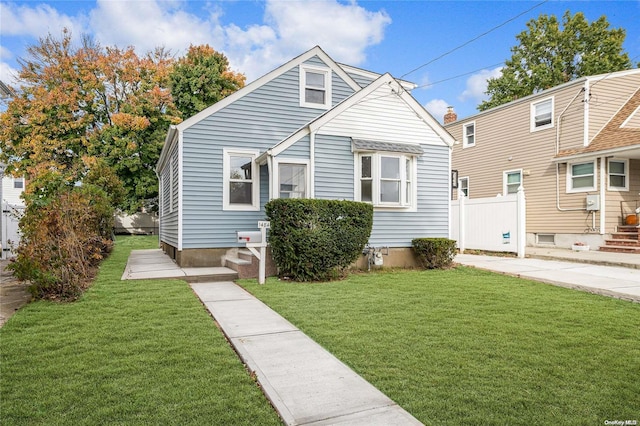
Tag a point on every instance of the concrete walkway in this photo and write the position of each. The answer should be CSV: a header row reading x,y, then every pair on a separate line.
x,y
305,383
154,264
622,282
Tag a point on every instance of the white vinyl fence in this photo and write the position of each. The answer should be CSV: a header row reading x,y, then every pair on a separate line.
x,y
492,224
9,231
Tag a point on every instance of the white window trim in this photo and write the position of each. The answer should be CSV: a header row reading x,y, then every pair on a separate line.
x,y
255,173
569,173
408,205
460,184
504,179
626,174
465,144
532,114
276,173
303,85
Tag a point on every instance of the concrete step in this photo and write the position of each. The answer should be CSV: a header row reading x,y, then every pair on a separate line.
x,y
213,274
236,263
245,254
622,242
627,228
620,249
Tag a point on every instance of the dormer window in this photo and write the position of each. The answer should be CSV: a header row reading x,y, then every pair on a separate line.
x,y
315,87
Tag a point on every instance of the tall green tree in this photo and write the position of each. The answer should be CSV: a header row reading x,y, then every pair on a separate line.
x,y
550,53
201,78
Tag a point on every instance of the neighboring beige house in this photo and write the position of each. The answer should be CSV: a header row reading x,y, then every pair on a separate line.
x,y
575,149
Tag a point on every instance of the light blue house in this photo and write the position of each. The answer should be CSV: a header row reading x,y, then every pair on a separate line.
x,y
311,128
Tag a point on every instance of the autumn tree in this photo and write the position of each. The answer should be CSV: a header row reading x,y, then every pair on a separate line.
x,y
81,102
550,53
201,78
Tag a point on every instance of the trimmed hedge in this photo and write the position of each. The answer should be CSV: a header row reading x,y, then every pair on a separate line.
x,y
434,253
315,240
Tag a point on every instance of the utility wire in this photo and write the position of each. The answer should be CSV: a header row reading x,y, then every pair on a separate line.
x,y
458,76
474,39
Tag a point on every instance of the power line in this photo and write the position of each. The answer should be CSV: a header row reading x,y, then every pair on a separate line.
x,y
476,38
458,76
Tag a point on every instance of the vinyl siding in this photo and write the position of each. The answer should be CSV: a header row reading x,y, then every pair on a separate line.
x,y
362,80
333,168
169,217
397,229
382,116
257,121
607,97
504,142
300,149
9,193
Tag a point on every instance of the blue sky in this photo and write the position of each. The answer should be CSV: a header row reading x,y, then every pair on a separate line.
x,y
257,36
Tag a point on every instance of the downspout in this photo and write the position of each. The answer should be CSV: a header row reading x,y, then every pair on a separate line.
x,y
312,161
558,124
602,195
159,207
270,173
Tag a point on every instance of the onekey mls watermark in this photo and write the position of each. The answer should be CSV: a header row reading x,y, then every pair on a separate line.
x,y
621,422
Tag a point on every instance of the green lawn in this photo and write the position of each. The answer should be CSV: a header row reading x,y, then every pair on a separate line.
x,y
128,352
468,347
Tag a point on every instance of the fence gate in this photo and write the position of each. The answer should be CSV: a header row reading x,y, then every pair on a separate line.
x,y
10,232
492,224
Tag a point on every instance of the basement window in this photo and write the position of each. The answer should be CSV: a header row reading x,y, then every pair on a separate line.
x,y
546,239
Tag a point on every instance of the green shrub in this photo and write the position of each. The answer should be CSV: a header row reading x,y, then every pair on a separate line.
x,y
64,238
434,253
315,240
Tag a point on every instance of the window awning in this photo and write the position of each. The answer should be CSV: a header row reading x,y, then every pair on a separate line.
x,y
404,148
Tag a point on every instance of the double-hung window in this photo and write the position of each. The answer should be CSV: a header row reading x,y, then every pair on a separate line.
x,y
386,179
542,114
619,175
292,180
581,177
469,135
463,185
315,87
241,183
512,181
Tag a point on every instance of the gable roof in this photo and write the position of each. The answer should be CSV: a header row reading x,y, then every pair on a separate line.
x,y
175,129
354,99
616,135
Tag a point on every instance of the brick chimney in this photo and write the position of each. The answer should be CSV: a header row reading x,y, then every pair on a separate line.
x,y
450,116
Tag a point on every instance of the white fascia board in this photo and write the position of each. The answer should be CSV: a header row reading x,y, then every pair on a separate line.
x,y
169,141
374,75
428,119
316,51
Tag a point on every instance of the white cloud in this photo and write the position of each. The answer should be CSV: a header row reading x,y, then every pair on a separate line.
x,y
8,75
148,24
344,30
437,108
477,84
35,21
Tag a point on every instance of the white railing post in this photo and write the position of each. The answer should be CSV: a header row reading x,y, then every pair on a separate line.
x,y
522,222
461,221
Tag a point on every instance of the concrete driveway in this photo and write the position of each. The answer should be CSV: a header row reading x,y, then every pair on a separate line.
x,y
615,281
